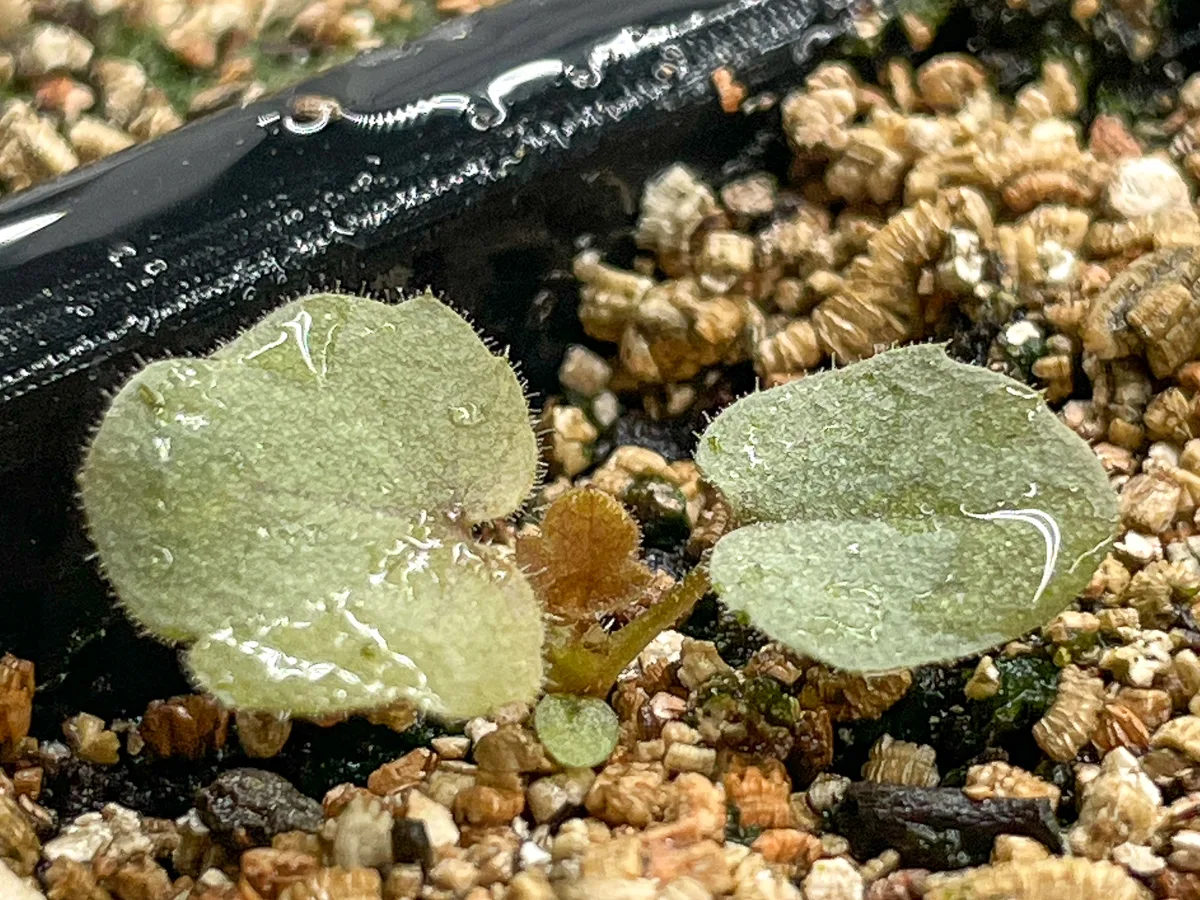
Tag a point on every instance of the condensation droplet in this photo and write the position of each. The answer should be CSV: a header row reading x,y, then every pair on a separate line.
x,y
121,251
466,415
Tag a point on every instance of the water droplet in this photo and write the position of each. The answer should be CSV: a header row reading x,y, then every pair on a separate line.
x,y
1045,524
162,446
119,252
1021,393
466,415
666,71
811,42
191,421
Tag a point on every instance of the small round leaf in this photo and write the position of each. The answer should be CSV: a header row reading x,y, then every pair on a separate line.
x,y
577,731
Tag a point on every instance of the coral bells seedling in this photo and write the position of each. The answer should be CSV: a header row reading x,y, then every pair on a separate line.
x,y
296,509
904,510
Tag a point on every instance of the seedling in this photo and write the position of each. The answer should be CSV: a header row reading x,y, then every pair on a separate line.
x,y
584,564
297,509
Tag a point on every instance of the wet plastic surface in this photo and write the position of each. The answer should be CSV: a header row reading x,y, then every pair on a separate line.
x,y
242,209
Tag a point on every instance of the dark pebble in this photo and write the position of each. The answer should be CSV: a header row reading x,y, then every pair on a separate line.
x,y
970,342
410,843
1062,776
162,788
314,759
673,439
1009,69
661,510
247,807
937,828
674,562
736,639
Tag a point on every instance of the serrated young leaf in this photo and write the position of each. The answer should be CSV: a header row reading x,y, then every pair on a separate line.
x,y
297,505
584,562
909,509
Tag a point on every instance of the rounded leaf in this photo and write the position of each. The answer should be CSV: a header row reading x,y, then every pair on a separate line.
x,y
577,731
265,496
911,509
425,615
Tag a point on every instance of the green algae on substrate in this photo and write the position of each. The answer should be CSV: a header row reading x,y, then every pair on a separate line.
x,y
113,36
279,69
936,711
748,712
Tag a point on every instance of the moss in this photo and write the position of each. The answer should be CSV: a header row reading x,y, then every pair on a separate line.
x,y
766,697
1028,685
935,711
754,714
